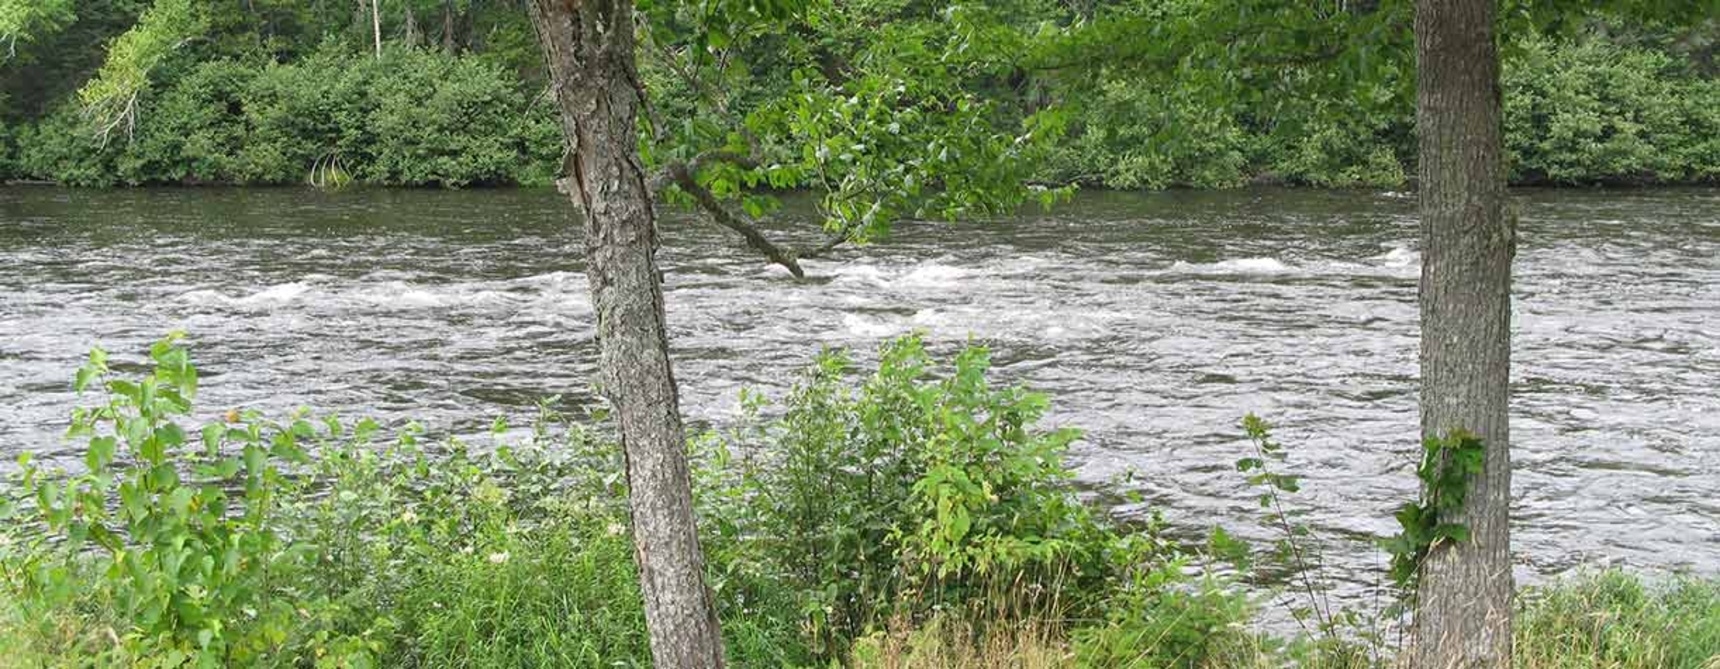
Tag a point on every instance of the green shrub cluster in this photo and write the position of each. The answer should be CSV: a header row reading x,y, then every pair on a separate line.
x,y
915,516
1581,112
413,117
1576,112
912,495
1593,112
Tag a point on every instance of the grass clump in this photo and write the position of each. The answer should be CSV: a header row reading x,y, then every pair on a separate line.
x,y
1618,620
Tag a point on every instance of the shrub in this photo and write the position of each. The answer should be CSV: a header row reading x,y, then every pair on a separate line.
x,y
1166,619
917,518
1323,145
435,120
184,535
1131,136
1595,112
917,492
254,543
195,127
60,147
295,114
412,118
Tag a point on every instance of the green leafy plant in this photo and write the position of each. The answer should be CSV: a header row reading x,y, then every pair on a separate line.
x,y
1165,617
1339,636
1448,465
1294,544
918,491
1596,112
183,525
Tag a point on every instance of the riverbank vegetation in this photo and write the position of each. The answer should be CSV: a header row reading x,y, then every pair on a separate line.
x,y
434,93
913,515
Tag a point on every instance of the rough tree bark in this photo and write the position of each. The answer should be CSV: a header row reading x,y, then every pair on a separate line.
x,y
1463,611
589,47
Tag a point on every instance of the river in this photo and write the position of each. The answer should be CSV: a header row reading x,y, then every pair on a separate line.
x,y
1154,321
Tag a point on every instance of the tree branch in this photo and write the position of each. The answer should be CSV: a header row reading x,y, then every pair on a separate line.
x,y
682,175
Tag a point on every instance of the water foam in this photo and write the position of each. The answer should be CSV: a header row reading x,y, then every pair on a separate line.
x,y
1399,256
1261,265
279,293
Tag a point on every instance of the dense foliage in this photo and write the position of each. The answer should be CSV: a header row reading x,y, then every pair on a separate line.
x,y
915,516
257,542
273,92
413,117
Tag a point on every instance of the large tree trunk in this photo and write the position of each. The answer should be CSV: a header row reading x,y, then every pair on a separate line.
x,y
1463,611
589,46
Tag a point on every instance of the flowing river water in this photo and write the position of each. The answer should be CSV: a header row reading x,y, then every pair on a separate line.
x,y
1155,322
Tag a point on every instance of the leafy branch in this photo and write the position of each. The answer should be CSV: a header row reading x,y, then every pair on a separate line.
x,y
1261,474
1448,466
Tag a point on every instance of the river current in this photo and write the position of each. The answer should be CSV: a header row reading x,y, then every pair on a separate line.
x,y
1155,322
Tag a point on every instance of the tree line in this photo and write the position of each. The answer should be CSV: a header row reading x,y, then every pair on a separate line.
x,y
451,92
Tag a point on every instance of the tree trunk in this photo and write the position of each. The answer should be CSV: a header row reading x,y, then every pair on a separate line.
x,y
411,25
1463,610
376,25
448,27
589,46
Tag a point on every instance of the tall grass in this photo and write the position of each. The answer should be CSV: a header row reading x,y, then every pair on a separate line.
x,y
1617,620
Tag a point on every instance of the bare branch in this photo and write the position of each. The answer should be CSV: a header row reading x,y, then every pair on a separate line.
x,y
681,175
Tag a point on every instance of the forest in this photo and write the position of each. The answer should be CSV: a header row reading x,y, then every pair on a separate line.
x,y
453,92
833,333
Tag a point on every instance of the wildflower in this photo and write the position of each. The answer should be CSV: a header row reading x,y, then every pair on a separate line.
x,y
615,529
409,517
498,558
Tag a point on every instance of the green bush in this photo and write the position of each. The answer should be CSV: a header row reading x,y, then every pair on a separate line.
x,y
434,120
1325,146
919,491
412,118
62,148
919,513
1130,136
1596,112
294,114
255,542
192,129
182,527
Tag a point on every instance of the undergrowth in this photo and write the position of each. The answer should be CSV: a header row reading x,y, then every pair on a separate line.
x,y
914,515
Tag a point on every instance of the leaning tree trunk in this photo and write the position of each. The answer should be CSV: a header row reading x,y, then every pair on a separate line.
x,y
589,46
1463,611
